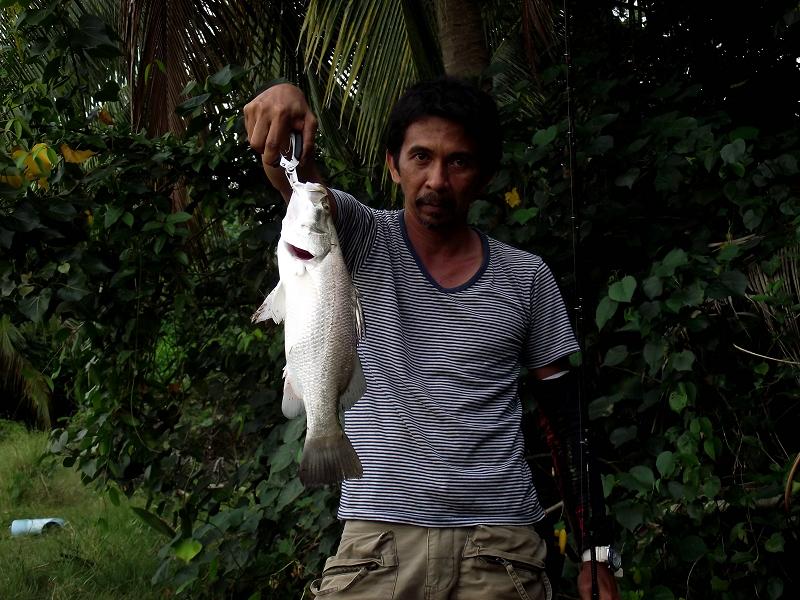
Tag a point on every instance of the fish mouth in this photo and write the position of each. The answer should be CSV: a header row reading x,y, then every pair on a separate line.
x,y
299,252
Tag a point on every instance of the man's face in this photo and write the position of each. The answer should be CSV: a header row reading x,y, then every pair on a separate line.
x,y
437,169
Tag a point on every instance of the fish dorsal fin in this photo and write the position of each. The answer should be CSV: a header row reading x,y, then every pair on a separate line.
x,y
356,387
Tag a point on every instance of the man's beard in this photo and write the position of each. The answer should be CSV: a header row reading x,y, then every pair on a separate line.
x,y
444,204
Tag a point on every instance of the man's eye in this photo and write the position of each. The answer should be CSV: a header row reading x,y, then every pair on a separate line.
x,y
419,156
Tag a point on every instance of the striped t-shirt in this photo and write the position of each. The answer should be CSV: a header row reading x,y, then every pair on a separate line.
x,y
438,430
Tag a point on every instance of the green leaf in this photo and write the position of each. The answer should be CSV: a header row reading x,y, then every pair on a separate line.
x,y
615,356
600,145
629,514
654,354
732,153
628,179
621,435
605,310
545,136
678,400
660,592
622,291
192,103
178,217
34,307
665,463
113,495
187,549
294,429
284,456
289,494
676,258
112,215
691,548
127,218
652,287
222,77
523,215
774,543
154,521
682,361
643,475
744,133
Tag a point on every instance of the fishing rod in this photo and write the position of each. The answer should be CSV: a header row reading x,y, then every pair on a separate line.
x,y
585,500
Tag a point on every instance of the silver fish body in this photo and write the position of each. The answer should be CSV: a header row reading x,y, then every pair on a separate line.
x,y
318,304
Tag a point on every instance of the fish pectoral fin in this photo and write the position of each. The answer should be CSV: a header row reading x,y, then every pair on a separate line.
x,y
355,388
361,329
292,405
273,307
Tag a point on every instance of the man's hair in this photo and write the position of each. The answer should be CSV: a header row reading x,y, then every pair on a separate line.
x,y
455,100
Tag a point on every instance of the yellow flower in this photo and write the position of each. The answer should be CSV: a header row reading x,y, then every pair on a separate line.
x,y
512,198
75,156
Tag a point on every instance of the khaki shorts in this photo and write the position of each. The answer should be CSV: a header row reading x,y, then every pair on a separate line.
x,y
389,561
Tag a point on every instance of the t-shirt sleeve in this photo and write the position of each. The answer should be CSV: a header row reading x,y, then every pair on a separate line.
x,y
550,334
356,227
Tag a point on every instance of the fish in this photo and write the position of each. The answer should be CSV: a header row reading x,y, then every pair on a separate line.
x,y
323,321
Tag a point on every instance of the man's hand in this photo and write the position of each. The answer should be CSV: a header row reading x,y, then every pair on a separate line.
x,y
272,115
268,119
606,582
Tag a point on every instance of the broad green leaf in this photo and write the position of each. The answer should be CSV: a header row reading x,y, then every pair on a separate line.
x,y
775,588
523,215
284,455
622,435
629,514
682,361
178,217
545,136
605,310
222,77
665,463
615,356
660,592
187,549
35,306
676,258
154,521
289,494
622,291
732,153
294,429
628,178
600,145
678,400
652,287
691,548
643,475
654,354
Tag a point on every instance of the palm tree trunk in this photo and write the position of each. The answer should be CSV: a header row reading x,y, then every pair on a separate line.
x,y
461,37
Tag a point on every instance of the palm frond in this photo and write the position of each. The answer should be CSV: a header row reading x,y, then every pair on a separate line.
x,y
363,51
20,382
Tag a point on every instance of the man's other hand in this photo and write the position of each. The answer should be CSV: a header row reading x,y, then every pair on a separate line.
x,y
606,583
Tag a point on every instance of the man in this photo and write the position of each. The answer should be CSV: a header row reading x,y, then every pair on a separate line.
x,y
446,506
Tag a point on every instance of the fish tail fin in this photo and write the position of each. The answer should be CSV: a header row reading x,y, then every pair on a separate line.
x,y
328,460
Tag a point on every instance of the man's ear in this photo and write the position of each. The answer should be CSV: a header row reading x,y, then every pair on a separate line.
x,y
393,168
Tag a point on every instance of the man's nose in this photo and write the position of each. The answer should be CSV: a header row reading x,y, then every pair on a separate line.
x,y
438,177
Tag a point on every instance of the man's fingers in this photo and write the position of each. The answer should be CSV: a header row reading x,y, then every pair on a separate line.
x,y
309,130
277,141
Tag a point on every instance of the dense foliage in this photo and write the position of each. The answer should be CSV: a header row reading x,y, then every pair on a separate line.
x,y
130,266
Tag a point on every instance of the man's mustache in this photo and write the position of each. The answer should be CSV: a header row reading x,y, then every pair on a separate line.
x,y
435,199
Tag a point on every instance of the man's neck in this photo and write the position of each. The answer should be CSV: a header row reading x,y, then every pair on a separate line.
x,y
451,256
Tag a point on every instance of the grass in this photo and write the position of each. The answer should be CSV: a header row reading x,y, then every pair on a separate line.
x,y
103,552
